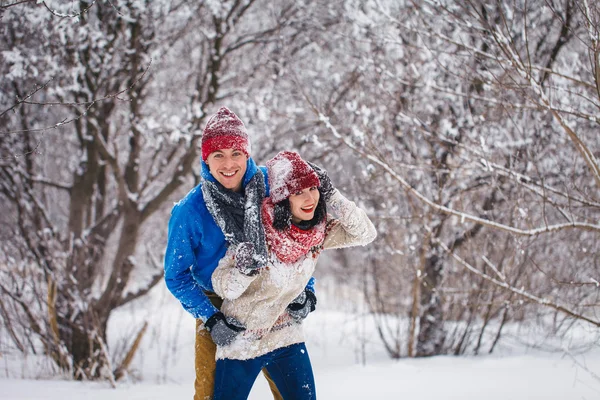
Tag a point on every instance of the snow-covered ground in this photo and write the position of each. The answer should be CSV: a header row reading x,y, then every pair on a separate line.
x,y
348,359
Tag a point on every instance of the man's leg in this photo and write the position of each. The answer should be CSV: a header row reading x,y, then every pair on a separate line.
x,y
292,372
205,350
274,390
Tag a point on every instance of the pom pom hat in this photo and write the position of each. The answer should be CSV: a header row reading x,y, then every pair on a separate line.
x,y
288,174
224,130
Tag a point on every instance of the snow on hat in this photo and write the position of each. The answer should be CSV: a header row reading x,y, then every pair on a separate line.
x,y
288,174
224,130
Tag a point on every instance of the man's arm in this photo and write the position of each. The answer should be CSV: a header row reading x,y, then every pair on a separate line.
x,y
184,237
311,284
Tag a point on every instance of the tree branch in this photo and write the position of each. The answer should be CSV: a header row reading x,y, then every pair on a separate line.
x,y
520,292
463,216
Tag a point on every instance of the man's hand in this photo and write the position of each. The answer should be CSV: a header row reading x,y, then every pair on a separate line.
x,y
302,305
223,330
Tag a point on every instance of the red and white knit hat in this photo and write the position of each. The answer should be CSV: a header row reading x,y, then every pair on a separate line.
x,y
288,174
224,130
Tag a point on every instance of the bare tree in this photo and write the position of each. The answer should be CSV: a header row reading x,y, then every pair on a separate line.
x,y
101,126
468,129
479,119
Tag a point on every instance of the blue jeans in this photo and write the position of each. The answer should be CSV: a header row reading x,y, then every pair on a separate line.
x,y
289,368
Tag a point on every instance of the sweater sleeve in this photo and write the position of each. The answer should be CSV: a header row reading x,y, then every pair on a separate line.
x,y
352,226
183,239
228,282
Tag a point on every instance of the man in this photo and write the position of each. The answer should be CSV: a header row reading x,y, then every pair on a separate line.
x,y
222,211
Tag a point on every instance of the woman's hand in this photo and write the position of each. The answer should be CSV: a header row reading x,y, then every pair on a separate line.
x,y
326,187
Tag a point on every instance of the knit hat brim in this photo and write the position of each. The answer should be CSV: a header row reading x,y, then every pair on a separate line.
x,y
224,142
224,130
283,192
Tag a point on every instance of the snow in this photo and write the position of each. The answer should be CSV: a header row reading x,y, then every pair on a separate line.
x,y
520,377
348,360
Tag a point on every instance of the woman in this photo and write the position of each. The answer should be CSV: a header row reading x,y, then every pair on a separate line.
x,y
297,229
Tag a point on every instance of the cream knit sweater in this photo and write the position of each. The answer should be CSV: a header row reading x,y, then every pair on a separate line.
x,y
260,301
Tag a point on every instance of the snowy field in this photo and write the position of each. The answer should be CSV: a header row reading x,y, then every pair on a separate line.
x,y
348,359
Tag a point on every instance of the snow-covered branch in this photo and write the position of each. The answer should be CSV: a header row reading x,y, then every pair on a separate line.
x,y
88,105
462,215
521,292
74,15
534,185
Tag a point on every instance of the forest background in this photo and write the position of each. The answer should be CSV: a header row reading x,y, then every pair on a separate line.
x,y
467,129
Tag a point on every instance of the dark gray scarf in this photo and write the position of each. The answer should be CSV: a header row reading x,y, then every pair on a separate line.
x,y
238,215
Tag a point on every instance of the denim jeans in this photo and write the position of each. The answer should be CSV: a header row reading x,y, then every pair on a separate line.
x,y
289,367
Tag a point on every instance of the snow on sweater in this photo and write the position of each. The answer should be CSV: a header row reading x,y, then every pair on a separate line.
x,y
260,301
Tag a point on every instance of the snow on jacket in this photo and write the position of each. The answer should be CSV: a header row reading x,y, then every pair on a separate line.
x,y
260,301
195,245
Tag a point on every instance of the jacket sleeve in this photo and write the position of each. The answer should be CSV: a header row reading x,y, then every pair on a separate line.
x,y
352,227
263,169
228,282
183,239
311,284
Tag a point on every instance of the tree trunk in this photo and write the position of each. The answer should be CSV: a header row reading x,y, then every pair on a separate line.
x,y
431,332
83,338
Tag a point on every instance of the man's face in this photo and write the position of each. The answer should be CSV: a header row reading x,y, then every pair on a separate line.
x,y
228,166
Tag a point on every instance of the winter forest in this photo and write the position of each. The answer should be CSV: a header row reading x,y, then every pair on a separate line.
x,y
469,131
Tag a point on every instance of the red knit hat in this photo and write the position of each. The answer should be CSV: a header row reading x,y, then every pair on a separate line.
x,y
224,130
288,174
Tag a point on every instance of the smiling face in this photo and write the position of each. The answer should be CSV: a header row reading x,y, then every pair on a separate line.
x,y
228,166
304,203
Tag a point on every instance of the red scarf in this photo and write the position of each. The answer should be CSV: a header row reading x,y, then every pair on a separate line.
x,y
291,243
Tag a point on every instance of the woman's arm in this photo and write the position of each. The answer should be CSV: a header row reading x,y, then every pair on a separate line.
x,y
352,227
228,282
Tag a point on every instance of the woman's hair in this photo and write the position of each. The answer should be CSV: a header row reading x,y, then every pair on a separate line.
x,y
282,215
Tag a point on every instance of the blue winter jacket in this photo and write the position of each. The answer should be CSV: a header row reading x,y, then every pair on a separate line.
x,y
196,244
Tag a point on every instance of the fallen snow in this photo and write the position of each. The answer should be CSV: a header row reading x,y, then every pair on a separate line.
x,y
346,367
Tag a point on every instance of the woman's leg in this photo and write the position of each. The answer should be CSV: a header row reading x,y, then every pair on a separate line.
x,y
292,372
234,378
205,350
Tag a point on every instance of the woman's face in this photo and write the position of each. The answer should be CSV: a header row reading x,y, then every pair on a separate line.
x,y
304,203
